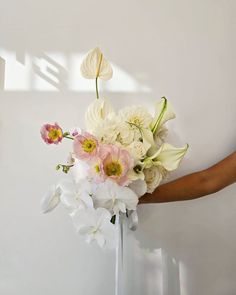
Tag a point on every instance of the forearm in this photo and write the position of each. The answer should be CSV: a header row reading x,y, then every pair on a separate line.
x,y
197,184
185,188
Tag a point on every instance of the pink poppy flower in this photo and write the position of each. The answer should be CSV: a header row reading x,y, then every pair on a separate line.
x,y
115,163
51,134
85,146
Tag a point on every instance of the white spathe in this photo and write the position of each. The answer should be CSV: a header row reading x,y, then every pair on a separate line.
x,y
96,66
114,197
97,111
164,112
167,156
170,156
95,225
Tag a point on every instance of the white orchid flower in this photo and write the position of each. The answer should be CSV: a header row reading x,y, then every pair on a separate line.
x,y
114,197
97,111
139,187
96,66
166,156
95,225
164,112
79,170
51,199
77,195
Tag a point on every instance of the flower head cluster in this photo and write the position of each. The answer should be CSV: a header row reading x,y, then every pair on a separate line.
x,y
51,133
121,156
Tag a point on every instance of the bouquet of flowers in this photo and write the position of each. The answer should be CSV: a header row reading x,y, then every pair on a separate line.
x,y
118,158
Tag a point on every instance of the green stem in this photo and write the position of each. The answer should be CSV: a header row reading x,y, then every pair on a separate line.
x,y
68,137
96,81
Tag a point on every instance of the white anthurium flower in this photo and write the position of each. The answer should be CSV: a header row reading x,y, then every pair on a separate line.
x,y
135,121
79,170
139,187
77,195
167,156
96,66
153,177
114,197
51,199
95,225
164,112
98,111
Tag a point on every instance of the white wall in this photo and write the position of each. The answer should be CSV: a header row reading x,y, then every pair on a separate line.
x,y
182,49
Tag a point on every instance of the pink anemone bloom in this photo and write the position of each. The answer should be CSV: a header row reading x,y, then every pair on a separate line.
x,y
51,134
85,146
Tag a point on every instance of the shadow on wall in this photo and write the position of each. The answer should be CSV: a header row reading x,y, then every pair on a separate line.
x,y
155,269
58,71
2,73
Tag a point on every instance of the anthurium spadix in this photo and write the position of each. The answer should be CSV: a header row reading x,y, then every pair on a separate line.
x,y
164,112
96,66
166,156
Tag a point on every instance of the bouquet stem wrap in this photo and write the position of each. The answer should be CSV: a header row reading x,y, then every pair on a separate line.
x,y
119,282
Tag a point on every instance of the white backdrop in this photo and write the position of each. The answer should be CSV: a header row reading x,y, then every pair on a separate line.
x,y
182,49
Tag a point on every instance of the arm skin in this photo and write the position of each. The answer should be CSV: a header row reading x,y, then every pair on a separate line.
x,y
197,184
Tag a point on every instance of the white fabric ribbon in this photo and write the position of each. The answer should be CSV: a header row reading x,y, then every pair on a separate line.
x,y
119,283
132,224
133,220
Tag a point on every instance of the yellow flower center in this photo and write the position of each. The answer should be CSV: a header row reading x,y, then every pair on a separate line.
x,y
97,168
89,145
136,121
54,134
113,168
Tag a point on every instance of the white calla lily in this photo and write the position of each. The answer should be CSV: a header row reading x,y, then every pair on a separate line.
x,y
170,156
167,156
51,199
96,66
97,111
164,112
95,225
114,197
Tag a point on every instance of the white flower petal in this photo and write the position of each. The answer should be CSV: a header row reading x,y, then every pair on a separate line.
x,y
111,196
77,195
79,170
97,112
95,65
171,156
164,112
139,187
153,177
95,224
51,199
